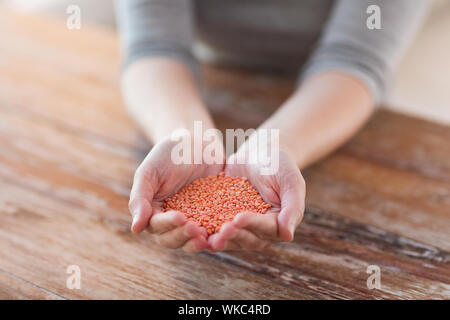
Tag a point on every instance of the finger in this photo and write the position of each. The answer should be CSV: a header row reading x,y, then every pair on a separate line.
x,y
141,196
178,237
218,241
247,240
195,245
264,226
292,205
232,246
230,235
164,221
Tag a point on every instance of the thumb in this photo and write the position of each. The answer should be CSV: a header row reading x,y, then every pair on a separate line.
x,y
141,211
140,201
292,208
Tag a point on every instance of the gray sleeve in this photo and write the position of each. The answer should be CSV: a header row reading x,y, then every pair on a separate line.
x,y
156,28
348,45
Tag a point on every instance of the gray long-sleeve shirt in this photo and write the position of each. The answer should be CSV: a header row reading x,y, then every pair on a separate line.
x,y
273,33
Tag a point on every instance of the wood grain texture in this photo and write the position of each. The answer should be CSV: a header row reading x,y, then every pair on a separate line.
x,y
12,287
330,255
68,152
44,236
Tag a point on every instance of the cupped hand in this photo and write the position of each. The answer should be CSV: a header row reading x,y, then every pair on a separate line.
x,y
284,190
157,178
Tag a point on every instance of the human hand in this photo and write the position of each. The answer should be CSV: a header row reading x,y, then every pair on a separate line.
x,y
284,190
156,179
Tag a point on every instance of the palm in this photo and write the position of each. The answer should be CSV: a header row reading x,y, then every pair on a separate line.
x,y
267,186
158,177
170,177
174,177
284,190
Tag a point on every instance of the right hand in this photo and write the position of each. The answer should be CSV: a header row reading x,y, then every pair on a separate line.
x,y
284,189
156,179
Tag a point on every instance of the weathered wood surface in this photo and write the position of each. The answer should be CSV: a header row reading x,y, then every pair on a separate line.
x,y
68,151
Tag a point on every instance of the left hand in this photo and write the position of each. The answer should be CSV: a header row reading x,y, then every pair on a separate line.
x,y
157,178
284,190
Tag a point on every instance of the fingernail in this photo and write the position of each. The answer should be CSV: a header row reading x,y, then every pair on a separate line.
x,y
292,227
135,218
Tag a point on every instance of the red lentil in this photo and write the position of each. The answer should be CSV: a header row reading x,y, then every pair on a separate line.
x,y
214,200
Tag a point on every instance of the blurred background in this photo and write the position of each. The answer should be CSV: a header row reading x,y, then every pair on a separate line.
x,y
420,85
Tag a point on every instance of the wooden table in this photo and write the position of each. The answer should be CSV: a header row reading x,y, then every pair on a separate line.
x,y
68,152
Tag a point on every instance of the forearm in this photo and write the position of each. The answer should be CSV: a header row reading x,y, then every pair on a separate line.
x,y
161,95
320,116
